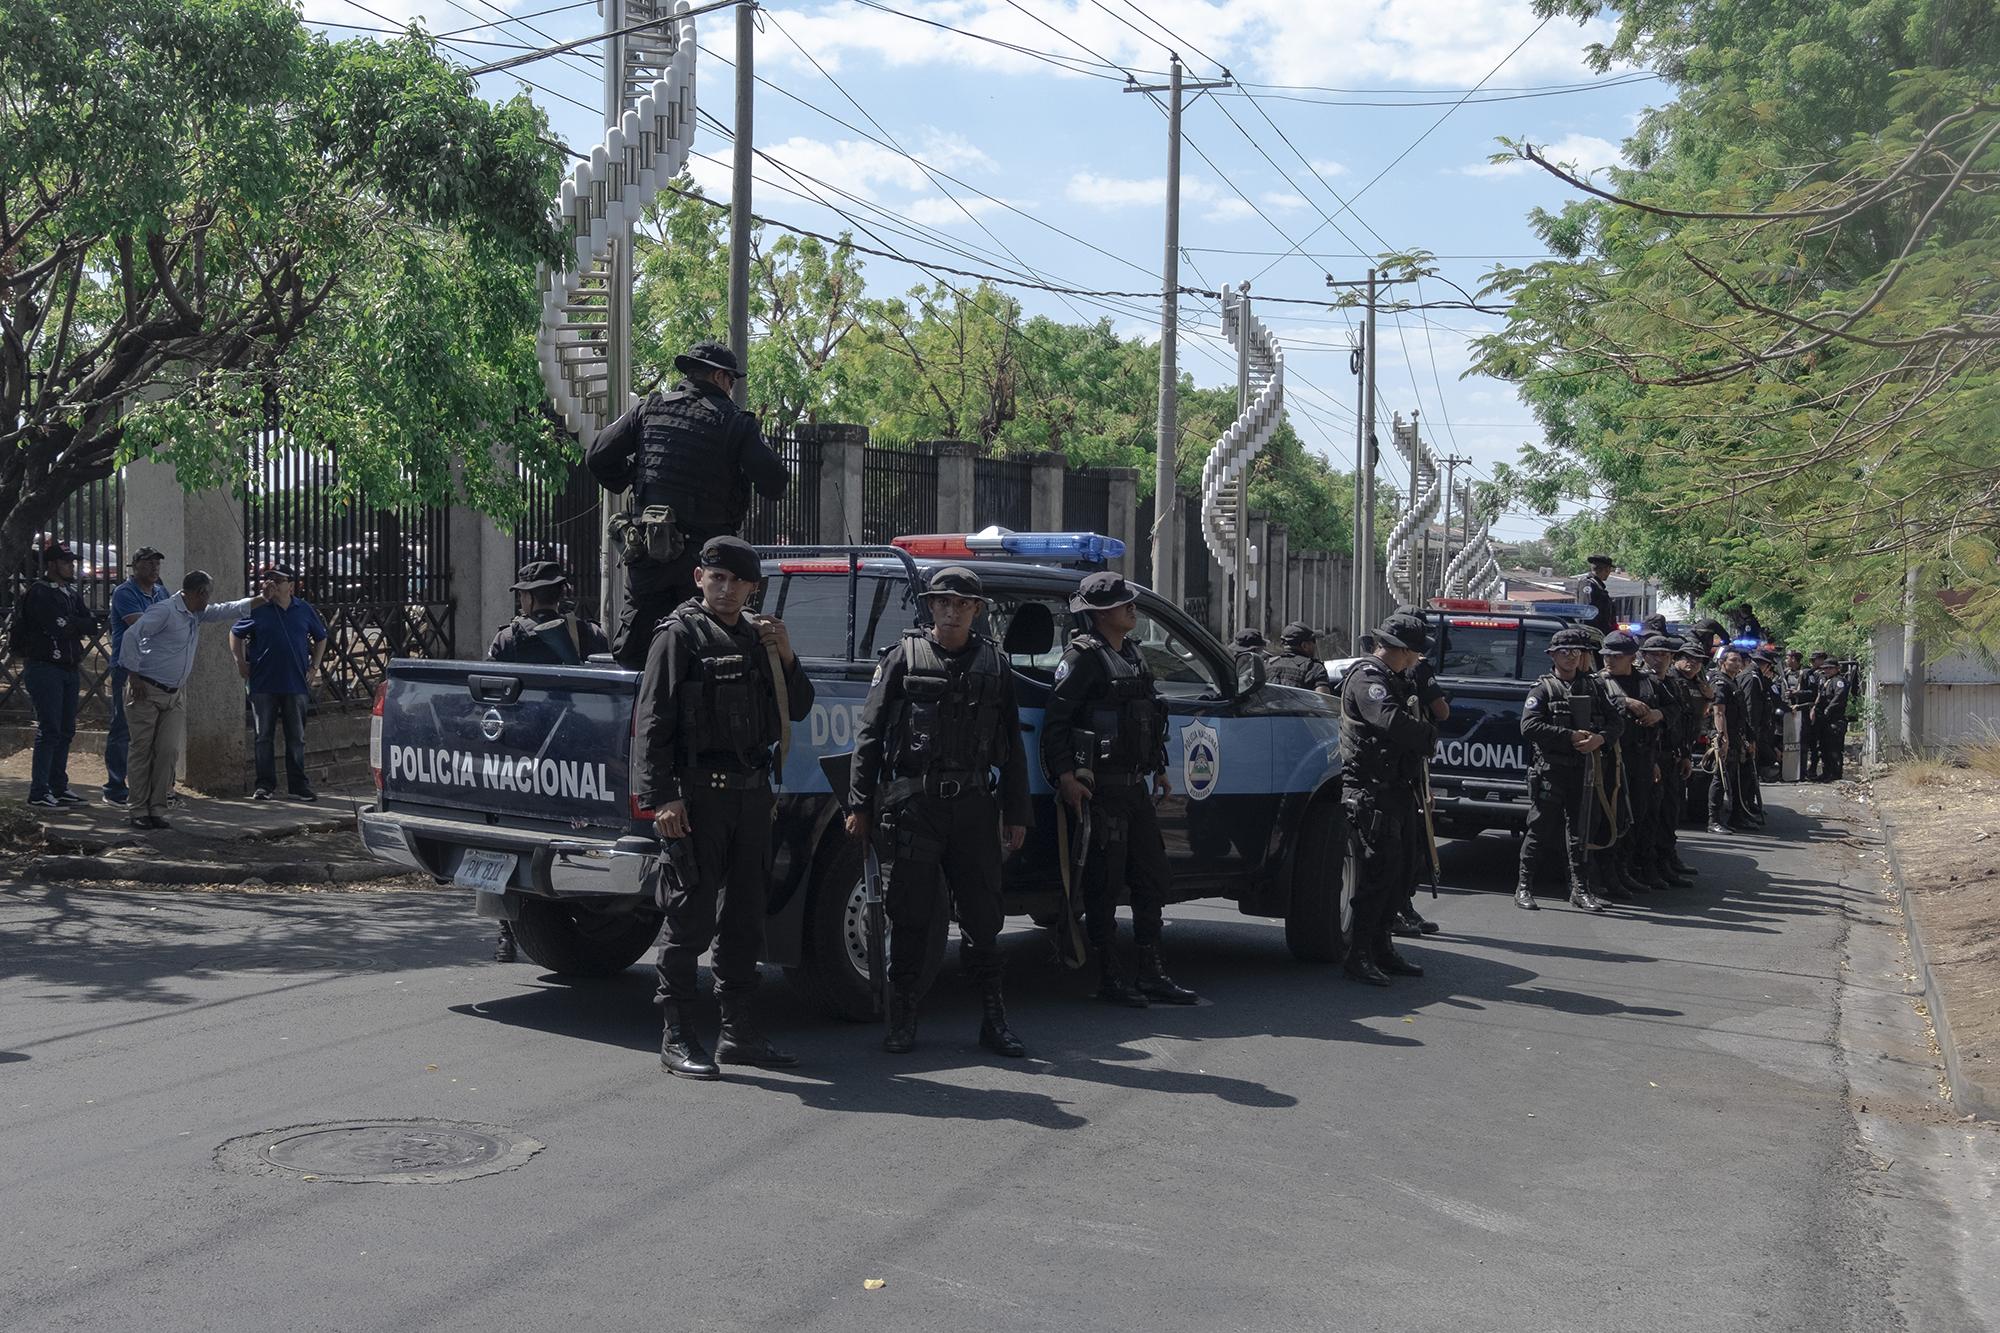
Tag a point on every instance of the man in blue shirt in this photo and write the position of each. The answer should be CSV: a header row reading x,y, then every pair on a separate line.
x,y
278,648
129,601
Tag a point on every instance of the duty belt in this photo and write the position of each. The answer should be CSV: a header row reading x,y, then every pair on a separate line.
x,y
723,779
940,786
1118,779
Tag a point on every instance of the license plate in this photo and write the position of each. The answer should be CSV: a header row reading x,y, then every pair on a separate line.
x,y
485,871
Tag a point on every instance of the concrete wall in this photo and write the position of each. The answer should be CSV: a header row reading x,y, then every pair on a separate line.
x,y
1961,699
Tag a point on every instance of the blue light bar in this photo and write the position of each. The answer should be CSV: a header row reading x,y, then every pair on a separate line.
x,y
1566,610
1085,546
1746,644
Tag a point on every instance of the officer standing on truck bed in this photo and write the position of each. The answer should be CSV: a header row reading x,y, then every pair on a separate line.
x,y
690,457
708,718
1566,718
940,718
1106,718
1297,663
1595,590
1385,737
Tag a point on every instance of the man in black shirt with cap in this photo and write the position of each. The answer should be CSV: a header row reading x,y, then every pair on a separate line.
x,y
1805,699
1298,664
1385,737
1830,720
50,626
1631,861
1730,713
690,457
709,718
1567,718
1595,589
939,720
542,633
1103,735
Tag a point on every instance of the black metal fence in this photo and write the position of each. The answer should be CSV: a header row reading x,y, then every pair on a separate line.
x,y
562,524
1086,502
898,492
1195,589
92,522
793,518
1003,492
380,578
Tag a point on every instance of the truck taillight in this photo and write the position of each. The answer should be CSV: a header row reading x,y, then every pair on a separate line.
x,y
375,734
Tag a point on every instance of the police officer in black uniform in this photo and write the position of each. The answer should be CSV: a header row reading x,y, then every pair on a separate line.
x,y
1757,721
1297,663
1630,864
50,627
543,634
1247,643
708,721
1106,716
1595,590
1730,715
1805,697
1566,717
1830,720
690,450
1385,737
1680,707
939,720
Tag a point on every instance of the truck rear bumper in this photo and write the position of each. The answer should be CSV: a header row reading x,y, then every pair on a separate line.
x,y
1481,803
547,865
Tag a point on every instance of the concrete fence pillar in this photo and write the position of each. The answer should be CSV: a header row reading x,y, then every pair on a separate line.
x,y
1277,573
843,459
480,578
954,485
1123,516
1046,492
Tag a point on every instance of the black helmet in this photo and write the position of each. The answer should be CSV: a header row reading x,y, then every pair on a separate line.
x,y
1102,591
705,356
1403,631
955,581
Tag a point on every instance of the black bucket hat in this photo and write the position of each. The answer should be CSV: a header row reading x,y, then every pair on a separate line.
x,y
1659,643
1248,638
735,555
1403,632
1576,636
956,581
539,574
1600,560
1618,641
1298,632
1103,591
708,356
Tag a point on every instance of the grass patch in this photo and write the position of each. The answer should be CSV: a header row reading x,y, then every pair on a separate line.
x,y
1926,772
1983,756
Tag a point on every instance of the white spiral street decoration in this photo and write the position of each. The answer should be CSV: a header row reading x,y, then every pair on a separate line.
x,y
1425,496
1474,572
1246,437
602,198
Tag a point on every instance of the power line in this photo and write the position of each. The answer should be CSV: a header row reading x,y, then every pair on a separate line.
x,y
1068,63
1442,101
558,49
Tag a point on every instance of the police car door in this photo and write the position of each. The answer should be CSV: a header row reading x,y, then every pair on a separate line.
x,y
1219,817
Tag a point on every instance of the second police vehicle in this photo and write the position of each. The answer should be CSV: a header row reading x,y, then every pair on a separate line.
x,y
514,781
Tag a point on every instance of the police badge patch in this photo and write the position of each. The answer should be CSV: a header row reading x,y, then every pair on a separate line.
x,y
1379,693
1062,670
1201,760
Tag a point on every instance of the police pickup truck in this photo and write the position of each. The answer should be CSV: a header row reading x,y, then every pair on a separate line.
x,y
1486,655
514,782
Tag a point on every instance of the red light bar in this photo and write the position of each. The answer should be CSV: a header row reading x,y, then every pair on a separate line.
x,y
1476,622
812,567
947,544
1461,604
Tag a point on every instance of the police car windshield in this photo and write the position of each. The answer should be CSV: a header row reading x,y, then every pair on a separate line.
x,y
814,609
1479,648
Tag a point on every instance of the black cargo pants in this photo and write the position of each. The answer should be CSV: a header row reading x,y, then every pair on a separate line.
x,y
1673,805
1639,843
940,847
1126,851
1724,800
1555,808
652,589
1386,856
725,907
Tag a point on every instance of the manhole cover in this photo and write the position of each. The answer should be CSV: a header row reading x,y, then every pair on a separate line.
x,y
384,1152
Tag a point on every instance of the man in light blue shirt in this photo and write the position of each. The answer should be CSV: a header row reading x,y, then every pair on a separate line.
x,y
129,601
158,657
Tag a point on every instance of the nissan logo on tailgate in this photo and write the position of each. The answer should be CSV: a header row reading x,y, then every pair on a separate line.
x,y
492,724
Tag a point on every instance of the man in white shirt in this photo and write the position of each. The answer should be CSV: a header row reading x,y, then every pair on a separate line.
x,y
158,657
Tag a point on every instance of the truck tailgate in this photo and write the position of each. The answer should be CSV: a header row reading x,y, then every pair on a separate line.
x,y
542,743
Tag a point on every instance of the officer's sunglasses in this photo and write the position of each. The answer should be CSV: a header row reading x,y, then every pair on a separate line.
x,y
1567,652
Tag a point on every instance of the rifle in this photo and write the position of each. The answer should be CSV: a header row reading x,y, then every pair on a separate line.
x,y
837,768
1073,850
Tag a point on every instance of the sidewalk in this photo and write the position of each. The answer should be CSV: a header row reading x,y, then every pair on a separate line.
x,y
213,840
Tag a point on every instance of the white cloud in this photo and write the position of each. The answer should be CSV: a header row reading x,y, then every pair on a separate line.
x,y
1326,166
1286,200
1585,152
1217,203
1095,191
938,211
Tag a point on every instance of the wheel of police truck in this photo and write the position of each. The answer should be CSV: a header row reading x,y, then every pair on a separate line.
x,y
1320,916
835,967
580,940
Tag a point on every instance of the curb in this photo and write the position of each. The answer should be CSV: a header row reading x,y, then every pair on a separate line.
x,y
1966,1093
154,871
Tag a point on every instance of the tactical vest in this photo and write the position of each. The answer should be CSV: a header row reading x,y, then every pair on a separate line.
x,y
1636,738
1366,757
1127,716
728,710
948,724
1571,713
1288,668
687,460
554,636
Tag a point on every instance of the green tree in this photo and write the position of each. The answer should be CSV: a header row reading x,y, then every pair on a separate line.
x,y
211,217
1769,348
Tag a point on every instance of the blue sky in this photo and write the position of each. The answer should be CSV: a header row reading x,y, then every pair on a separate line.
x,y
1075,168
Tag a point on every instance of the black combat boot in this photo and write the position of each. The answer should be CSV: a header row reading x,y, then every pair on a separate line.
x,y
1155,984
1606,885
994,1034
1628,878
1405,924
1392,962
1424,925
1360,963
1679,866
681,1051
1524,891
901,1038
741,1043
1580,895
1112,987
503,948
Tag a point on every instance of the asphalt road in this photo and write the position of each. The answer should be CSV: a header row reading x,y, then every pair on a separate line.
x,y
1712,1112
